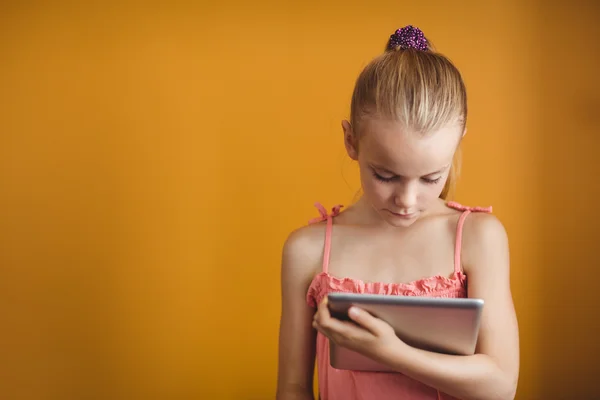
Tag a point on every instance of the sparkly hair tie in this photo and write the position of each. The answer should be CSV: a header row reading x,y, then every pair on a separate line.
x,y
409,37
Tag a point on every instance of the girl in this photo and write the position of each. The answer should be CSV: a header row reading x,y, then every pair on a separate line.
x,y
408,117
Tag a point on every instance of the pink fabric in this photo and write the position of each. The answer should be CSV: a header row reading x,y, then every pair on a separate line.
x,y
329,217
357,385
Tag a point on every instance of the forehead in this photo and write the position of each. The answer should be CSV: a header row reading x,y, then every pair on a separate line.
x,y
392,146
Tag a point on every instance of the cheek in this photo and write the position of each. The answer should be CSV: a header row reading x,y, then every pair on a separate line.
x,y
429,193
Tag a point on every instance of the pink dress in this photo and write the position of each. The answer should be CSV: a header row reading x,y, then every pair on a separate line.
x,y
337,384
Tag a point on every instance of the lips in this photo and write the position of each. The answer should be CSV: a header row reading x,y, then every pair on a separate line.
x,y
402,215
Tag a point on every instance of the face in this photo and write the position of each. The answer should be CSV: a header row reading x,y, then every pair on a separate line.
x,y
402,173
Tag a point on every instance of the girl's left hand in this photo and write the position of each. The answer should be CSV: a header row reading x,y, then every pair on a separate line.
x,y
369,335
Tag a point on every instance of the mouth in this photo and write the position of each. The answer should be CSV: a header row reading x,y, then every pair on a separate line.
x,y
403,215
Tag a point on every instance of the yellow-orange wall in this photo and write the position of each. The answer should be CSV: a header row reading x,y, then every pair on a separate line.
x,y
153,159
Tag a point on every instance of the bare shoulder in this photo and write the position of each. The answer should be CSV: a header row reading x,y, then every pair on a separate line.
x,y
303,250
484,227
484,238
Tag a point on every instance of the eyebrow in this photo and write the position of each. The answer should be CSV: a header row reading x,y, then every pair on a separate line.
x,y
392,172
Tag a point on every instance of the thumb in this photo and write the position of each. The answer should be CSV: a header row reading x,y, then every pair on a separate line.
x,y
366,320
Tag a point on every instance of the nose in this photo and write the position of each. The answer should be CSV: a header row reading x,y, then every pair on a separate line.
x,y
405,196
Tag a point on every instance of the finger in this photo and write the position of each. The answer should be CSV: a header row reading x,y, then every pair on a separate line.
x,y
341,331
335,328
320,318
323,307
322,313
324,320
322,329
365,319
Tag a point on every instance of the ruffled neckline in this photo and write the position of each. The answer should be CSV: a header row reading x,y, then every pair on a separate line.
x,y
433,286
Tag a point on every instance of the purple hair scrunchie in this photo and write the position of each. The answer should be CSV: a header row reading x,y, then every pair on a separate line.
x,y
409,37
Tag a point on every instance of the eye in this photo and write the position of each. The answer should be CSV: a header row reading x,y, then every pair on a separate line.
x,y
430,181
383,178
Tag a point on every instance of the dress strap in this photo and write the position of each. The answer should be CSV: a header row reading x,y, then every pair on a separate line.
x,y
459,229
329,218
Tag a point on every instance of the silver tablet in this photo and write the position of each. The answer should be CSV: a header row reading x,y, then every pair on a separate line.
x,y
443,325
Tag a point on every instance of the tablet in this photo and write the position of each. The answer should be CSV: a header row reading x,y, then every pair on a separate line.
x,y
442,325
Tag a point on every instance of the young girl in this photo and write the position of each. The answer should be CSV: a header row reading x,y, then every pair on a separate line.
x,y
408,117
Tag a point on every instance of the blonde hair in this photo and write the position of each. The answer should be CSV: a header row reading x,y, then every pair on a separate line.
x,y
421,89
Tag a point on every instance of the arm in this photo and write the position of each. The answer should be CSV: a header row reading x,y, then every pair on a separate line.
x,y
492,373
297,338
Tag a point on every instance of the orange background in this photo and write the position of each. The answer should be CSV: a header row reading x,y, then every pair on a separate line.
x,y
153,159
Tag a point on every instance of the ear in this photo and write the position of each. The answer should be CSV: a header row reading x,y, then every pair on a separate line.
x,y
464,132
350,140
